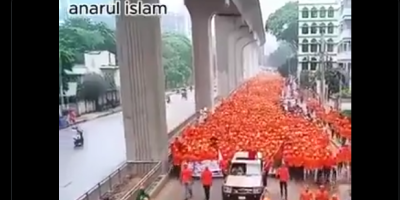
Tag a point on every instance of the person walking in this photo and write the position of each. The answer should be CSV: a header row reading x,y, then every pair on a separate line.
x,y
283,175
322,193
306,194
187,181
206,180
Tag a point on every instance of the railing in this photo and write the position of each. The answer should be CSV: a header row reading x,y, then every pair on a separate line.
x,y
148,171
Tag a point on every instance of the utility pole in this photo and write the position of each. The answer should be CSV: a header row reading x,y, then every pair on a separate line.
x,y
322,67
60,79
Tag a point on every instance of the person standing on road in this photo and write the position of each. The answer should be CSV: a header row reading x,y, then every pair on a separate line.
x,y
283,175
322,193
187,181
206,180
267,167
306,194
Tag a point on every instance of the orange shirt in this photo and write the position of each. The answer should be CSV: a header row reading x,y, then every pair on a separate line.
x,y
206,177
283,173
306,195
321,195
186,175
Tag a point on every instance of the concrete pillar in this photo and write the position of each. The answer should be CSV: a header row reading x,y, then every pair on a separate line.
x,y
256,64
224,25
202,54
142,87
247,62
232,41
241,43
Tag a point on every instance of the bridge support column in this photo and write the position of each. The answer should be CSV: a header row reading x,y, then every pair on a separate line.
x,y
142,87
224,25
242,31
241,43
202,54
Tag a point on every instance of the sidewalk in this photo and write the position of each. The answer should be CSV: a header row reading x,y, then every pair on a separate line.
x,y
95,115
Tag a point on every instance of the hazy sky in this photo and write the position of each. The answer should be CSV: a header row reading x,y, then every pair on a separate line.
x,y
267,7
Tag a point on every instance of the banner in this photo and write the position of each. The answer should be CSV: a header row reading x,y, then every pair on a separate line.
x,y
213,166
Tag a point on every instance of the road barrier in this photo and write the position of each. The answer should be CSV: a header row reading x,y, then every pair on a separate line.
x,y
147,171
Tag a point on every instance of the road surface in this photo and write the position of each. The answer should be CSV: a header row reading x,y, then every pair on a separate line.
x,y
173,190
104,150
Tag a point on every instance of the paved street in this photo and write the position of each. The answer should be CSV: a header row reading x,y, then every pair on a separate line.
x,y
104,150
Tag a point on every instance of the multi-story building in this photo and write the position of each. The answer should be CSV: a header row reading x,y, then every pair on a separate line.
x,y
344,43
174,22
318,34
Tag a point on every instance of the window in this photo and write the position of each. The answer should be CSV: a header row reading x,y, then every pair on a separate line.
x,y
304,29
340,65
329,63
322,12
345,46
330,45
349,67
304,46
313,66
304,13
304,64
331,12
314,12
313,28
322,28
314,45
349,46
330,28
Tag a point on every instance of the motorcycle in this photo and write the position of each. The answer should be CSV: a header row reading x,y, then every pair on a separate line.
x,y
168,99
78,138
184,94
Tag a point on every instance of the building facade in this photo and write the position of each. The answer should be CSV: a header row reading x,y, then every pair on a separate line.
x,y
344,43
175,22
318,34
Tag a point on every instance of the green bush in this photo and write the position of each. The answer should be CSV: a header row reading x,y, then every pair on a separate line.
x,y
347,113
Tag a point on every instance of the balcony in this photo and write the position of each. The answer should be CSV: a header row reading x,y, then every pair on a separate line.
x,y
345,34
345,13
344,56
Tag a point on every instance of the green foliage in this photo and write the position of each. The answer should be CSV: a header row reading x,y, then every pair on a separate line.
x,y
289,67
78,35
333,79
346,113
283,23
307,79
92,87
177,59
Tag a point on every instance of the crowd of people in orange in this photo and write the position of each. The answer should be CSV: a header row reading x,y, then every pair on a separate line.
x,y
252,119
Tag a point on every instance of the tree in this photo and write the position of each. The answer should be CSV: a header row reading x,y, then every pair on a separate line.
x,y
65,59
77,35
283,23
177,59
283,58
92,87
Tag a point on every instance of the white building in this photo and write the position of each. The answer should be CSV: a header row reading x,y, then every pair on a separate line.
x,y
344,44
318,24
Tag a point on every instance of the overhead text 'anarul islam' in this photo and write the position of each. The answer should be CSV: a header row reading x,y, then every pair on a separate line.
x,y
117,8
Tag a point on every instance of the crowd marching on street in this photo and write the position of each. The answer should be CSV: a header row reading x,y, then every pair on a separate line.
x,y
269,115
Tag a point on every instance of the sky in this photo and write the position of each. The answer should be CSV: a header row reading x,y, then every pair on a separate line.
x,y
267,7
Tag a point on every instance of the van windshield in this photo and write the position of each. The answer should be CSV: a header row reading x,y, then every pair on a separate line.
x,y
245,169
